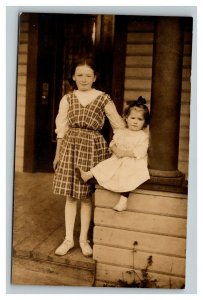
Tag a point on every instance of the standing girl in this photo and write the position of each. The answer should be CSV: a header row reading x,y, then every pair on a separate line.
x,y
127,168
80,145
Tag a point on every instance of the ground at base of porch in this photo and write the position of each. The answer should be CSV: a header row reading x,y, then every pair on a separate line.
x,y
38,229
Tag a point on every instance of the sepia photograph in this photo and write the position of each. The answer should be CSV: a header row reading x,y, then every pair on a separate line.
x,y
102,136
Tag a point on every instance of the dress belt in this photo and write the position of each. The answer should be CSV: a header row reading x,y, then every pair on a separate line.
x,y
82,128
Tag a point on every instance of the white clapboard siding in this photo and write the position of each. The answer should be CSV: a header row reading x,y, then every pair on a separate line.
x,y
125,239
138,72
154,224
21,91
109,273
162,264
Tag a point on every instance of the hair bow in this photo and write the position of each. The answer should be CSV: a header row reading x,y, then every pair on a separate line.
x,y
140,101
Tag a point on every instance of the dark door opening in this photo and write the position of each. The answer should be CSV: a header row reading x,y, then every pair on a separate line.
x,y
61,38
55,39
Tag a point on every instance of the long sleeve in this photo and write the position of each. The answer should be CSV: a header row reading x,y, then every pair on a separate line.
x,y
61,119
115,119
141,149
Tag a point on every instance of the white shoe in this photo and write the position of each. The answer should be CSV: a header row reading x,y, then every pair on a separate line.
x,y
121,205
64,247
86,249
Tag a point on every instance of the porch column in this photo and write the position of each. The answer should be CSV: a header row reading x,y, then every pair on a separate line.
x,y
166,100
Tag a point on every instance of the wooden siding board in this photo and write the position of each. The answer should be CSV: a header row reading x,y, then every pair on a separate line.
x,y
22,79
20,141
164,225
183,155
185,97
158,244
143,49
19,164
186,86
144,73
21,90
22,58
185,109
20,131
184,121
23,49
162,264
22,70
21,101
20,121
140,38
145,203
130,95
187,61
107,273
136,84
186,74
23,37
139,61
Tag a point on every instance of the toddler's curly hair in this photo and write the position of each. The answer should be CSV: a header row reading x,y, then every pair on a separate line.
x,y
139,104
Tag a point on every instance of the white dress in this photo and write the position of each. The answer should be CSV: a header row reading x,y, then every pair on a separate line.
x,y
126,173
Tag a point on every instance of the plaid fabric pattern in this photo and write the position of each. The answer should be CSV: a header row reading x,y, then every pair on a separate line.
x,y
82,146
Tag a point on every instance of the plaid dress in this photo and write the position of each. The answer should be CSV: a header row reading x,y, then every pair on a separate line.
x,y
82,146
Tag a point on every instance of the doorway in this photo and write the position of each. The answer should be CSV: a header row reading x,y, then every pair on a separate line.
x,y
59,38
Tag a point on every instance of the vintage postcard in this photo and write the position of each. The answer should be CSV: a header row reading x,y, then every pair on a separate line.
x,y
102,150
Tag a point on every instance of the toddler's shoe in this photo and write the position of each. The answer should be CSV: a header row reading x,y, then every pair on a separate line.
x,y
86,249
121,205
64,247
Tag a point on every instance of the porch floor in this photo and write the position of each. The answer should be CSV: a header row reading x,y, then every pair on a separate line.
x,y
38,228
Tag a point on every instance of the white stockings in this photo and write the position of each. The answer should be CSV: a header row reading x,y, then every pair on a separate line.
x,y
85,215
70,214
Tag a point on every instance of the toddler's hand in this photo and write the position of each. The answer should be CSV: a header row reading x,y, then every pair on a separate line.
x,y
119,153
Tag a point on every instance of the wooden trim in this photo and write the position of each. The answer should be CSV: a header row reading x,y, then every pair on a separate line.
x,y
30,113
119,59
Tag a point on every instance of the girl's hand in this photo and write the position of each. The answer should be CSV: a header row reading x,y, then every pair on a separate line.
x,y
55,162
121,153
56,159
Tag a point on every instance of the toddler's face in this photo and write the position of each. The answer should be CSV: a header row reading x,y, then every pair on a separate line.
x,y
84,78
135,121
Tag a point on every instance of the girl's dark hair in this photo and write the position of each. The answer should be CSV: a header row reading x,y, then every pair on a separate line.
x,y
140,103
82,61
88,61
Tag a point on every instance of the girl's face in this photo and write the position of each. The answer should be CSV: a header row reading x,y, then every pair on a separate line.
x,y
135,121
84,77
